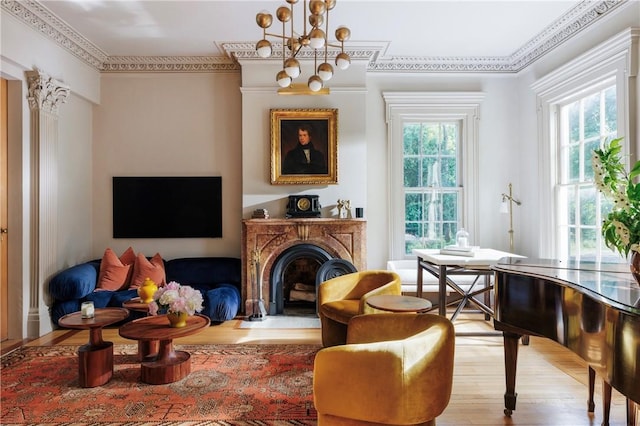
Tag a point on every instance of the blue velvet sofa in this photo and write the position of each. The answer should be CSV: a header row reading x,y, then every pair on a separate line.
x,y
217,278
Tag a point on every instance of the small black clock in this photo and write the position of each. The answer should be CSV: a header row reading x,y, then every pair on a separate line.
x,y
303,206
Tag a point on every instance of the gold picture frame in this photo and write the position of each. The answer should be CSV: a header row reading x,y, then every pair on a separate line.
x,y
294,129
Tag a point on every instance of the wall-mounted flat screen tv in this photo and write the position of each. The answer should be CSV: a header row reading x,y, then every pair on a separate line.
x,y
167,207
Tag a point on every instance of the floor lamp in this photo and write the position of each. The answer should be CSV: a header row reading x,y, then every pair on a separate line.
x,y
507,207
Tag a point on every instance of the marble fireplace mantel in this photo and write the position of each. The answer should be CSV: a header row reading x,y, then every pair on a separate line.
x,y
266,239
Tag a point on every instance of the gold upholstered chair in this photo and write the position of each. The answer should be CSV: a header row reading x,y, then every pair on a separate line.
x,y
345,296
396,369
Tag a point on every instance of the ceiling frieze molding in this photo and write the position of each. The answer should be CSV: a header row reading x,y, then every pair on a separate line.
x,y
42,20
169,64
247,51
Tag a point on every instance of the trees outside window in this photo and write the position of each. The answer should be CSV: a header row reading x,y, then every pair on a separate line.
x,y
432,189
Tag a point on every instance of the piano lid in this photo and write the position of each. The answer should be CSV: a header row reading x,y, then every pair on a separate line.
x,y
611,283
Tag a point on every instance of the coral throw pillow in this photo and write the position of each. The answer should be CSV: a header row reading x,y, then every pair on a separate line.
x,y
152,269
115,272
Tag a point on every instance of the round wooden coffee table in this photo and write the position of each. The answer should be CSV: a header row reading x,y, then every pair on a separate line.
x,y
95,359
399,303
168,365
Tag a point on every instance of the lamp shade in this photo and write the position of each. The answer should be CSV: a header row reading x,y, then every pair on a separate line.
x,y
315,83
316,38
325,71
343,61
504,206
263,48
292,67
283,79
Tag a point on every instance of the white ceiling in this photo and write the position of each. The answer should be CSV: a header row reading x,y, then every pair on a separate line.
x,y
445,28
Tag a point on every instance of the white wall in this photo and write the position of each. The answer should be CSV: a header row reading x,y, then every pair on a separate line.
x,y
168,125
23,49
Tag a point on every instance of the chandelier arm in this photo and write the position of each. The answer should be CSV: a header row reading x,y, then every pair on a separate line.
x,y
326,35
280,36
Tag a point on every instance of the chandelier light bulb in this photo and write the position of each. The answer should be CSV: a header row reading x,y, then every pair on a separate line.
x,y
283,79
343,61
263,48
316,38
325,71
292,67
315,83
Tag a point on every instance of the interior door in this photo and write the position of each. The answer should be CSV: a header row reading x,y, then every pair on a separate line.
x,y
4,210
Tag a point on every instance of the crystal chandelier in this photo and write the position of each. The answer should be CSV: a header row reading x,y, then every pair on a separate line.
x,y
295,42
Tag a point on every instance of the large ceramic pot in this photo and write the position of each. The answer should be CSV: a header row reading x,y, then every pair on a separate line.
x,y
177,319
635,266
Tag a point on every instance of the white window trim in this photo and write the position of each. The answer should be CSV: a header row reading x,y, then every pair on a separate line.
x,y
616,58
439,106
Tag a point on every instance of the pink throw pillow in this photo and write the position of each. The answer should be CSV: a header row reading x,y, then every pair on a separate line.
x,y
152,269
115,272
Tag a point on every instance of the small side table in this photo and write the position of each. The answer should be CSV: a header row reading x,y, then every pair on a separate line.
x,y
95,359
398,303
168,365
147,349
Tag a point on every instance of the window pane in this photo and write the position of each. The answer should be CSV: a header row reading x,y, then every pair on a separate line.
x,y
588,206
413,207
574,122
411,172
610,110
430,172
572,243
449,172
450,207
588,167
431,139
574,163
592,116
588,244
450,139
411,139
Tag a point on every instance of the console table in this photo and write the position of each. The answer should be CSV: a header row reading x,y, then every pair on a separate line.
x,y
444,266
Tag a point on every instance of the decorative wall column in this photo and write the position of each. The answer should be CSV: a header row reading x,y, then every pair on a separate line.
x,y
45,95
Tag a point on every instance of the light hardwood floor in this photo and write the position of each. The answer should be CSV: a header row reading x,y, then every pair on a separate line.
x,y
551,383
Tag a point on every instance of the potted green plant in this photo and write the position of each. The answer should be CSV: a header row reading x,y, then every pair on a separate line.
x,y
621,226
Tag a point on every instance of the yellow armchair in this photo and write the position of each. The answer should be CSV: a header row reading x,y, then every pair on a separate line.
x,y
396,369
343,297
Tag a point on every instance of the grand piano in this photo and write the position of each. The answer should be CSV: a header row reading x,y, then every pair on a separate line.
x,y
592,309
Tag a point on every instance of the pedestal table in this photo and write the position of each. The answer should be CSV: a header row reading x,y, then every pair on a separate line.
x,y
95,359
168,365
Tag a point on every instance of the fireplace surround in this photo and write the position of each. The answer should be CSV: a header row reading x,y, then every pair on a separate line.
x,y
275,243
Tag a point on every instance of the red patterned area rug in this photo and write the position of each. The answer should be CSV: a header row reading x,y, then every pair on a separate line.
x,y
229,385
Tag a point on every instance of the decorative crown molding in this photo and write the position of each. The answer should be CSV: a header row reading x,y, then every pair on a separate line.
x,y
169,64
42,20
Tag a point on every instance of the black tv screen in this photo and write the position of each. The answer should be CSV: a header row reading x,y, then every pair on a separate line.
x,y
167,207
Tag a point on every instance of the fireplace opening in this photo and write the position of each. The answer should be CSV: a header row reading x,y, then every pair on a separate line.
x,y
293,280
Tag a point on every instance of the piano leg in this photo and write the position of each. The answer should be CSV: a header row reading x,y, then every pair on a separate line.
x,y
606,403
632,411
511,341
591,406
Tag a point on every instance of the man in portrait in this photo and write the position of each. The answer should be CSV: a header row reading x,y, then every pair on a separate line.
x,y
304,158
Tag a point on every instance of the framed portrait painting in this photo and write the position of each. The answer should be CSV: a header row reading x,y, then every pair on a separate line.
x,y
304,146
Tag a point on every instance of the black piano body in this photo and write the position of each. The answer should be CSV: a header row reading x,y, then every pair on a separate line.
x,y
592,309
